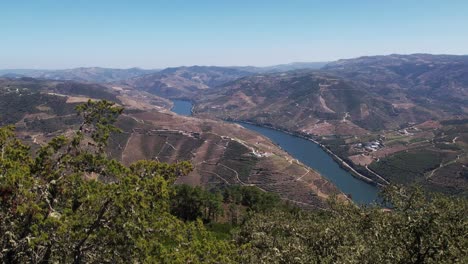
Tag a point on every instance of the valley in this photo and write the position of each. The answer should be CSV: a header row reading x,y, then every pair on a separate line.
x,y
222,154
310,154
256,132
384,119
375,113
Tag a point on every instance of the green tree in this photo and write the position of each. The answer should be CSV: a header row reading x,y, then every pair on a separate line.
x,y
419,228
251,197
70,203
190,203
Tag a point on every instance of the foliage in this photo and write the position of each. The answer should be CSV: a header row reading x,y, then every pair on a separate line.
x,y
190,203
251,197
69,203
399,170
98,118
418,229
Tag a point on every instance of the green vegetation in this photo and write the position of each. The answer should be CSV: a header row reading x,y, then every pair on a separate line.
x,y
70,203
251,197
418,229
417,140
447,146
15,105
51,124
191,203
407,167
336,145
301,87
455,122
90,90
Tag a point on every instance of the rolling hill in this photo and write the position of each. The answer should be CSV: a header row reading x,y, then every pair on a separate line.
x,y
406,103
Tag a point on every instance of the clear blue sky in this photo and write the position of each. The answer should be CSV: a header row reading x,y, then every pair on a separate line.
x,y
158,33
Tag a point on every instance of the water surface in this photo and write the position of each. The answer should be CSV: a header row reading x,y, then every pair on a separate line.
x,y
315,157
310,154
182,107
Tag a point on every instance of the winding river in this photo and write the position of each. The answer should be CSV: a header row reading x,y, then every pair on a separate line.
x,y
311,155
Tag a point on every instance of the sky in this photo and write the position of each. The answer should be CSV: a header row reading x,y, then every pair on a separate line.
x,y
57,34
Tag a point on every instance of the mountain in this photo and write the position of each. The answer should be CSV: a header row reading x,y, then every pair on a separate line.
x,y
284,67
194,77
26,99
313,102
92,74
372,93
18,72
185,82
434,81
294,66
376,113
222,154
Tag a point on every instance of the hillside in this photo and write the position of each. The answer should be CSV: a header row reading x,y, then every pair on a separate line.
x,y
312,102
47,106
222,154
374,93
27,96
185,82
430,81
350,104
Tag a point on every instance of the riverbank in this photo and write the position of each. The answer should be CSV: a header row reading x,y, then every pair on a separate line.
x,y
343,164
313,154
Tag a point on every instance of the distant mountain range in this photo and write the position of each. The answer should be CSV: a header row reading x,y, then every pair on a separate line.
x,y
92,74
284,67
185,82
107,75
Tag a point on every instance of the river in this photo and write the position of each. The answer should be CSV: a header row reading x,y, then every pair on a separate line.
x,y
182,107
311,155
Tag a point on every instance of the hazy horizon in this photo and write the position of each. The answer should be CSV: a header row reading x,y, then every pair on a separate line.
x,y
53,34
201,65
161,68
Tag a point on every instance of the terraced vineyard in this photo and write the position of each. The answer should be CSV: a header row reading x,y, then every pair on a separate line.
x,y
222,154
